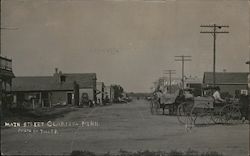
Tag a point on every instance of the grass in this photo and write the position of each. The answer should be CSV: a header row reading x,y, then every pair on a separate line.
x,y
189,152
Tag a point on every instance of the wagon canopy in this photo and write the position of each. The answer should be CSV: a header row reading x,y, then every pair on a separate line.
x,y
167,98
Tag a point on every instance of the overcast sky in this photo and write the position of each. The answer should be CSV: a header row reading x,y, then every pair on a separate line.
x,y
129,42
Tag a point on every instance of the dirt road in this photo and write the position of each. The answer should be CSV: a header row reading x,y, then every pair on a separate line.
x,y
125,126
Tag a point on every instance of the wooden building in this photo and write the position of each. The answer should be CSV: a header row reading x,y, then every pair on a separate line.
x,y
195,83
59,89
229,82
6,76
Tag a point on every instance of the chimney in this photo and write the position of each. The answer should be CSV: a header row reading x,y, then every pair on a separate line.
x,y
62,78
56,75
56,70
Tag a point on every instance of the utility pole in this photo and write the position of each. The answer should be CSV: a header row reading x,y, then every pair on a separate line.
x,y
214,32
170,72
183,58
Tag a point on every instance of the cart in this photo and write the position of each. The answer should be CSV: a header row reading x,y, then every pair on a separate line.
x,y
203,110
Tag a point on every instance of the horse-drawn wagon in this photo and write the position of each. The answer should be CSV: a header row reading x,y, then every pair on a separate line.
x,y
196,110
204,110
169,101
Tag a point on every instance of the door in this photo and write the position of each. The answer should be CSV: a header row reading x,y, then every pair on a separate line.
x,y
69,98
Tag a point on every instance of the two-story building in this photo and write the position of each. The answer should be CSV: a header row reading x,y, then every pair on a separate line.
x,y
6,76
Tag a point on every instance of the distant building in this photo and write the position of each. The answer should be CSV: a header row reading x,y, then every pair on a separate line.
x,y
61,88
229,82
6,76
100,93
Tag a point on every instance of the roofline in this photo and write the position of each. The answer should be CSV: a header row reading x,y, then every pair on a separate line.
x,y
43,90
52,89
5,58
34,76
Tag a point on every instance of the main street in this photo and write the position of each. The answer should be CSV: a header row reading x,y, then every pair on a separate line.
x,y
128,127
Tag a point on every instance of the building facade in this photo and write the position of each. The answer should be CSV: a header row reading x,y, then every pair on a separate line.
x,y
59,89
6,76
229,82
195,83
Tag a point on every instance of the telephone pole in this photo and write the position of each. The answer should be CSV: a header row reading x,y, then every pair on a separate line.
x,y
183,58
170,72
214,32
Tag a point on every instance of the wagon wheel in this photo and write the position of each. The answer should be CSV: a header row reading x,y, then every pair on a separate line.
x,y
216,115
183,113
230,114
202,115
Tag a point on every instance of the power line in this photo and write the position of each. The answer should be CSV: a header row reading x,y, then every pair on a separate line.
x,y
170,72
214,32
183,58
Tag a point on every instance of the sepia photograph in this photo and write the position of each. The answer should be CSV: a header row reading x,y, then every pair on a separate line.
x,y
125,77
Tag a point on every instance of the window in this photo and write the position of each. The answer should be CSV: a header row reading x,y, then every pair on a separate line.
x,y
63,78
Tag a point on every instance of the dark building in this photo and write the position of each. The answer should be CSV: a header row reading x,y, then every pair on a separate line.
x,y
229,82
59,89
195,83
6,75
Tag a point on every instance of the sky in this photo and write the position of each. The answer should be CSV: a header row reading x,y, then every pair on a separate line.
x,y
126,42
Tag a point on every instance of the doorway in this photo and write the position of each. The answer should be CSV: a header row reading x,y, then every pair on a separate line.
x,y
69,98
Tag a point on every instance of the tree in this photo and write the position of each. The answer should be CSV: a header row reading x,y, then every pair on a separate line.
x,y
118,90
